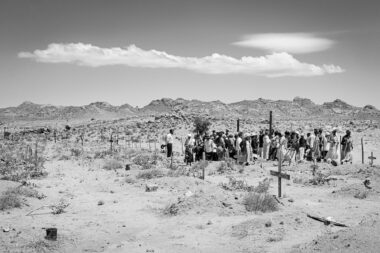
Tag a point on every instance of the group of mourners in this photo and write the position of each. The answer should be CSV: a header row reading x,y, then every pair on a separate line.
x,y
290,146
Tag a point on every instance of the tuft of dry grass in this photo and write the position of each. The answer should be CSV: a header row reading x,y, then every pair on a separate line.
x,y
171,209
112,164
11,197
149,174
9,200
262,202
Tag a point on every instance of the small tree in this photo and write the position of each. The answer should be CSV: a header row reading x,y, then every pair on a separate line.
x,y
201,125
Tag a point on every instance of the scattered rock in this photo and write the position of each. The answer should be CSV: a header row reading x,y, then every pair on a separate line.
x,y
100,202
268,224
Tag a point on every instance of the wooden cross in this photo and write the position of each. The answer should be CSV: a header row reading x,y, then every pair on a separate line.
x,y
314,167
371,158
279,174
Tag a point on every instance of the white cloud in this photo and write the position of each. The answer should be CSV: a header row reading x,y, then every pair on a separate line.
x,y
273,65
296,43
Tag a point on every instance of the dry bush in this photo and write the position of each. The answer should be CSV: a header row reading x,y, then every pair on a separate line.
x,y
222,167
112,164
179,172
199,166
59,207
40,246
130,180
64,158
9,200
143,160
11,197
76,152
262,202
263,186
234,184
149,174
171,209
15,165
102,154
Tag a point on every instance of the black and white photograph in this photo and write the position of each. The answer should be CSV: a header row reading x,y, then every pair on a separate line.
x,y
189,126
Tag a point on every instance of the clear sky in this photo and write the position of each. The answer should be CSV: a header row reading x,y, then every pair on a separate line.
x,y
73,52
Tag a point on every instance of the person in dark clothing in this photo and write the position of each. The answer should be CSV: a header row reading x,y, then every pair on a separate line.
x,y
255,144
302,147
261,143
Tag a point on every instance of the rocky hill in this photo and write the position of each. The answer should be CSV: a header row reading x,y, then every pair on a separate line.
x,y
297,108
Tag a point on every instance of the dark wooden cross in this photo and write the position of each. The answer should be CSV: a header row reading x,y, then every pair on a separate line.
x,y
279,174
371,158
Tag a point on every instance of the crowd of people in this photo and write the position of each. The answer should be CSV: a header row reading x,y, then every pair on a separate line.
x,y
290,146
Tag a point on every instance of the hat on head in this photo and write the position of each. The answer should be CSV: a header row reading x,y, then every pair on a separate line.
x,y
189,135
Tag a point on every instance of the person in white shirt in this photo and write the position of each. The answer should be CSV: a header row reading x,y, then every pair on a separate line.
x,y
266,145
209,147
169,143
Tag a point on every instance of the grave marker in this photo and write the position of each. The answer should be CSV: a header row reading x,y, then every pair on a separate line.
x,y
371,158
279,174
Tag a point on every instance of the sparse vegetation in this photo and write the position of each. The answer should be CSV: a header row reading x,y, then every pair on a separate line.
x,y
11,198
112,164
262,202
149,174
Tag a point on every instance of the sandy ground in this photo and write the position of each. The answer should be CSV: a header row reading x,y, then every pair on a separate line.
x,y
214,220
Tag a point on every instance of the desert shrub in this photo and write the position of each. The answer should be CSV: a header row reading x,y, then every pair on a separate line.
x,y
26,192
149,174
40,245
9,200
145,161
112,164
63,158
199,166
102,154
179,172
16,166
76,152
262,202
130,180
171,209
59,207
222,167
263,186
235,184
201,125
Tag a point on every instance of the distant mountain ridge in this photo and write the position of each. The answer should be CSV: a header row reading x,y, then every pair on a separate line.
x,y
296,108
